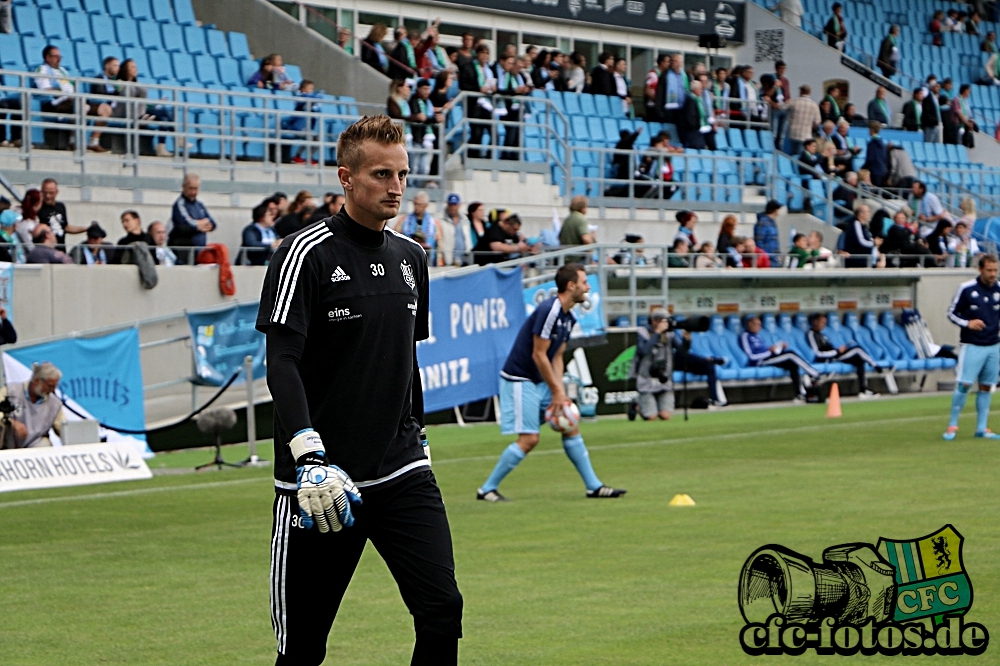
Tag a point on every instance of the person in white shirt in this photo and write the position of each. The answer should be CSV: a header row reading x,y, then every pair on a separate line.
x,y
50,75
622,84
927,208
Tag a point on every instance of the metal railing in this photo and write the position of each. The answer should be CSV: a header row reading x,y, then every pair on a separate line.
x,y
238,130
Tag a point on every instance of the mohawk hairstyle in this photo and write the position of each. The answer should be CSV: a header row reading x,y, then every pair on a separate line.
x,y
379,129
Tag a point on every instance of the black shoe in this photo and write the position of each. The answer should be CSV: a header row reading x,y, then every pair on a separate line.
x,y
491,496
606,491
718,360
632,411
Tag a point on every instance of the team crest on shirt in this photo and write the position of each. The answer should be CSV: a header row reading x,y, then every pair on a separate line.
x,y
408,274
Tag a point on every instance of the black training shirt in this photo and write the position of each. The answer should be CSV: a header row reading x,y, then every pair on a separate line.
x,y
494,234
360,298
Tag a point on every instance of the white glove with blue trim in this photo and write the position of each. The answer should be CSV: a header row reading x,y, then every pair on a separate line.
x,y
325,491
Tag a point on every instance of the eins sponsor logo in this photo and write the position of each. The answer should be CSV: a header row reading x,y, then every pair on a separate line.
x,y
342,314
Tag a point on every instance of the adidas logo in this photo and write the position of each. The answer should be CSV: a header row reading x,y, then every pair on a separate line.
x,y
339,275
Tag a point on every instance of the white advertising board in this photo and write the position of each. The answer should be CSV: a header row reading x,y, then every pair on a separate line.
x,y
84,464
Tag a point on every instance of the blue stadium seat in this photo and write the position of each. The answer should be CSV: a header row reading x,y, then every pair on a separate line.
x,y
604,107
229,72
78,27
11,55
68,54
103,29
863,337
53,24
33,47
109,51
206,69
217,45
140,10
596,130
127,31
139,56
162,11
183,67
194,37
118,8
173,38
26,21
898,335
71,6
160,66
587,106
294,73
881,335
572,103
184,12
239,48
247,69
150,36
95,7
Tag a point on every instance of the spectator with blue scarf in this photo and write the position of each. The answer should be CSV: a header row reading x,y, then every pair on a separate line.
x,y
423,119
674,85
372,52
421,226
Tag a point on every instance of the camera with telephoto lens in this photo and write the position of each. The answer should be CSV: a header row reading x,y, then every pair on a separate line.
x,y
689,324
852,584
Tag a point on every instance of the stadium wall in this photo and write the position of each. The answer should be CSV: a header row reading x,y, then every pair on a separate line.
x,y
270,30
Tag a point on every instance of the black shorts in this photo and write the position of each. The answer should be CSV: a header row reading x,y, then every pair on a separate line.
x,y
310,571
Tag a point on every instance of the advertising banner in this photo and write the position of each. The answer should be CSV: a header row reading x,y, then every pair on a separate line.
x,y
726,19
7,288
473,321
222,339
83,464
589,314
101,379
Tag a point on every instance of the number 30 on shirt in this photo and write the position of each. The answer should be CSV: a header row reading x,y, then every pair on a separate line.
x,y
377,270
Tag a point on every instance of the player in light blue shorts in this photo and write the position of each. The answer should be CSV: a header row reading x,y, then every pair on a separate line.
x,y
532,378
976,309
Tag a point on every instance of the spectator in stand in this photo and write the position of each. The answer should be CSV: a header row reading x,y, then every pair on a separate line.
x,y
853,118
50,75
778,355
989,45
903,249
809,168
109,74
510,84
37,408
726,234
478,77
936,28
840,138
803,120
962,127
829,164
938,241
190,220
734,257
435,57
454,235
441,95
133,234
952,22
270,75
707,257
777,102
421,226
754,257
652,82
695,121
843,140
826,111
790,11
720,92
602,80
858,241
128,73
11,247
5,13
540,71
25,227
466,52
423,121
407,54
800,254
345,40
765,231
372,52
679,254
575,229
622,85
44,250
745,91
688,221
878,108
889,55
962,246
835,30
972,26
876,155
845,194
259,239
298,215
305,126
927,208
164,255
53,212
671,90
475,227
913,112
94,251
502,241
332,203
833,96
968,208
576,73
815,242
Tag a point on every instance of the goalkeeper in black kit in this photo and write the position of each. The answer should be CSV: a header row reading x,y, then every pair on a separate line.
x,y
343,305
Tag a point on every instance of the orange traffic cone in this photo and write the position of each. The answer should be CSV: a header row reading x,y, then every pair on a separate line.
x,y
833,403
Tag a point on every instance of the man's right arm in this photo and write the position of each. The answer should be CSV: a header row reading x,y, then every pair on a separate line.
x,y
284,353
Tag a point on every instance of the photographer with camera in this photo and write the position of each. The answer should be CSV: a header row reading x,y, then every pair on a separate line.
x,y
31,409
662,346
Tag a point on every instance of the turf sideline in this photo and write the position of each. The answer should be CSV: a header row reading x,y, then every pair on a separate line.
x,y
606,447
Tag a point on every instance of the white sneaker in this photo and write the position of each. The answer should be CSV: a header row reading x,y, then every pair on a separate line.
x,y
867,395
161,150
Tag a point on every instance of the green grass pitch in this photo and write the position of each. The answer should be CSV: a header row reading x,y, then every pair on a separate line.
x,y
175,570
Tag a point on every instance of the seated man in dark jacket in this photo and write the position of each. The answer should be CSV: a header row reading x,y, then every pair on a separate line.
x,y
900,240
259,239
913,111
621,163
858,240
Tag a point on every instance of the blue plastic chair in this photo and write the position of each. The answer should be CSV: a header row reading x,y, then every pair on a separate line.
x,y
217,45
150,36
102,27
71,6
140,10
587,106
229,72
160,66
53,24
173,38
95,7
127,31
239,48
162,11
183,67
118,8
184,12
26,21
78,27
194,37
206,69
140,57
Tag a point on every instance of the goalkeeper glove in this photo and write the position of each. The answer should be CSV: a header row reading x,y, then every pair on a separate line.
x,y
325,491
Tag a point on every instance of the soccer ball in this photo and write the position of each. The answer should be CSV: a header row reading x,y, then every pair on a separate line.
x,y
565,420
